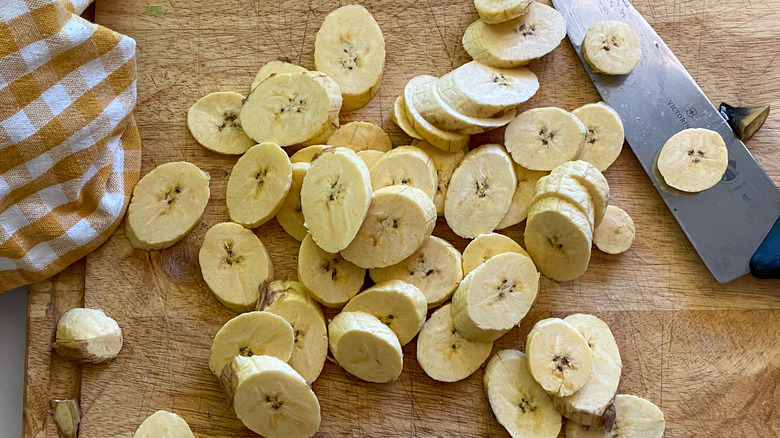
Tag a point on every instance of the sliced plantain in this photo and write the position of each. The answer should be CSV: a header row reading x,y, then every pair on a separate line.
x,y
399,118
693,160
480,191
361,136
258,185
592,180
398,223
559,185
306,154
478,90
616,232
397,304
744,120
321,137
543,138
286,109
559,356
235,265
273,68
87,335
444,354
444,140
634,417
370,157
517,400
516,42
289,300
335,197
166,205
365,347
612,47
163,424
436,269
406,166
521,201
327,277
290,215
270,398
590,403
499,11
604,136
558,238
495,296
350,48
251,334
435,110
213,121
444,163
485,246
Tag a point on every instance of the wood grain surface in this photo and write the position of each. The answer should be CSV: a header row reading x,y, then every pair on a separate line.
x,y
707,354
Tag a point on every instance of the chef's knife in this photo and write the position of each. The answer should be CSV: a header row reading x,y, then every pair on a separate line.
x,y
726,223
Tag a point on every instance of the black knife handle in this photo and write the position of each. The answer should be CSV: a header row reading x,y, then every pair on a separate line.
x,y
765,263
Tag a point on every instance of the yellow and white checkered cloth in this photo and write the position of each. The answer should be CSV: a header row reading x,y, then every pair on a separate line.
x,y
70,152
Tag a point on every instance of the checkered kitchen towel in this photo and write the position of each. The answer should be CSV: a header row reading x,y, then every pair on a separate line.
x,y
70,153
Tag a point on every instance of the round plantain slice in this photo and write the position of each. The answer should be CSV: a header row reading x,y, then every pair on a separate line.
x,y
558,238
350,48
495,296
335,197
604,136
444,354
398,223
407,166
360,136
517,400
612,47
270,397
436,269
543,138
478,90
327,277
213,121
558,185
397,304
559,356
693,160
258,185
365,347
616,232
444,140
167,204
235,265
516,42
286,109
480,191
163,424
499,11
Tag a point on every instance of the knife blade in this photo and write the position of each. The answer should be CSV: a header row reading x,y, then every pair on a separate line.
x,y
659,98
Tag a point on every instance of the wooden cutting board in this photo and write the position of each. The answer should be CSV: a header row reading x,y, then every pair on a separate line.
x,y
706,353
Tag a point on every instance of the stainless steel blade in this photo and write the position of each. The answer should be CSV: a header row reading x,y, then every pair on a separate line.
x,y
725,223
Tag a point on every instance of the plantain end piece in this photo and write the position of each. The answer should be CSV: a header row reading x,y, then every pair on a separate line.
x,y
744,120
67,415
